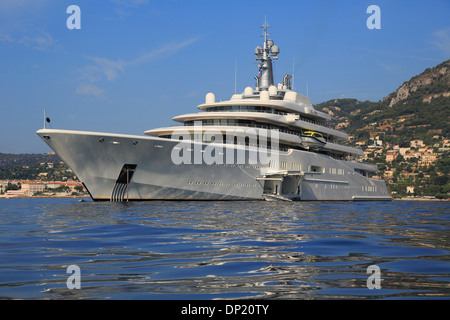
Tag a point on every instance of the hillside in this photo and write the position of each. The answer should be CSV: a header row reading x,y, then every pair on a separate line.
x,y
42,167
9,160
406,134
418,106
429,85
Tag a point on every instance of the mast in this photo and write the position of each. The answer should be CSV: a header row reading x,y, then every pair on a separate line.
x,y
264,56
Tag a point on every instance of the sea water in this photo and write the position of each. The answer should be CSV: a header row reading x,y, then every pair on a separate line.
x,y
224,250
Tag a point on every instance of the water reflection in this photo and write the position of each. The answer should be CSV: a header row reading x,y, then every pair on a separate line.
x,y
233,250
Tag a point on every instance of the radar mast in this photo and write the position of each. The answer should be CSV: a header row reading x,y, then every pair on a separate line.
x,y
264,56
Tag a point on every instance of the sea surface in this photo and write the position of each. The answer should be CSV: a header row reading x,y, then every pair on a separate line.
x,y
224,250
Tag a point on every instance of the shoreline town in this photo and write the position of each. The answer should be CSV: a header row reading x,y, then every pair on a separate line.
x,y
75,189
42,189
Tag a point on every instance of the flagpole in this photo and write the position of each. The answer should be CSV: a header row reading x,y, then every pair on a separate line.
x,y
235,75
293,73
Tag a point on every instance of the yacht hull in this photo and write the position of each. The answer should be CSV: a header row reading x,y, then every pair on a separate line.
x,y
129,167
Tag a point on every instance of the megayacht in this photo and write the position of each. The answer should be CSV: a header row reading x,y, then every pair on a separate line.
x,y
266,143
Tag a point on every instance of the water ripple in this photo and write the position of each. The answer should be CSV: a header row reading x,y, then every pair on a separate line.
x,y
223,250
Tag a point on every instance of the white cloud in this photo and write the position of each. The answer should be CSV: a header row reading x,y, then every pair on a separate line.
x,y
388,67
90,90
165,51
107,69
37,39
124,8
441,40
41,40
14,7
193,94
385,53
23,22
130,3
111,69
15,14
5,38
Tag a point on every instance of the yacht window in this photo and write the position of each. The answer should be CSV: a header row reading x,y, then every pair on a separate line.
x,y
317,169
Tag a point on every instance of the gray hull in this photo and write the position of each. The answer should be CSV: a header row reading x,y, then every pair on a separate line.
x,y
127,167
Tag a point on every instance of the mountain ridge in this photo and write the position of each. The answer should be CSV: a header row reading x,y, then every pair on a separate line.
x,y
421,102
426,80
11,159
406,134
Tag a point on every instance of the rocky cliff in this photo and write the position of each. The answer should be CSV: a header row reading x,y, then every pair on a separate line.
x,y
433,83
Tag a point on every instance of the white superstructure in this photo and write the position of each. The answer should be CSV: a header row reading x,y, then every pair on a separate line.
x,y
303,157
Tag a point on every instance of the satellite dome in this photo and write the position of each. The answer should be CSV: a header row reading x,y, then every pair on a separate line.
x,y
210,98
275,50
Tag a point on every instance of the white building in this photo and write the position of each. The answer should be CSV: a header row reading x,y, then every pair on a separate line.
x,y
32,188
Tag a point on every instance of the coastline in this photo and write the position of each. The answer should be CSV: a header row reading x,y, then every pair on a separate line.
x,y
419,199
45,197
88,197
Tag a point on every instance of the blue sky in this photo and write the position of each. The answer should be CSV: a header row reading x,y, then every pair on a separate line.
x,y
135,64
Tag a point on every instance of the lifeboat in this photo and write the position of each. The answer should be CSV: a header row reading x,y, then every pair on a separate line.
x,y
312,140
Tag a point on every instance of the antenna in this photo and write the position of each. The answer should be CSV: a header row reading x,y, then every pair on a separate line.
x,y
293,73
265,26
46,119
307,93
235,75
265,55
